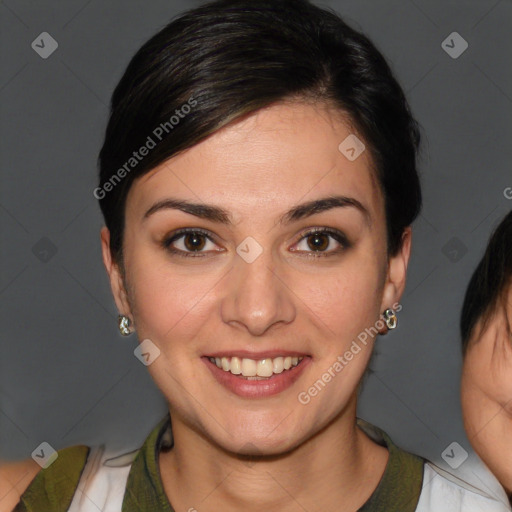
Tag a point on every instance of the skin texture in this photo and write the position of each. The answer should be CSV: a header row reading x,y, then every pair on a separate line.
x,y
14,479
310,456
486,392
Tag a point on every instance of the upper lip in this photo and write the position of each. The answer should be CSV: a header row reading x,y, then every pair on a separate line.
x,y
248,354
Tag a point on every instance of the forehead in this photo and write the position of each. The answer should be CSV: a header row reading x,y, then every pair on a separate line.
x,y
279,155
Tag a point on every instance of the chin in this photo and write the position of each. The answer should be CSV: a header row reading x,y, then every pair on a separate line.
x,y
253,442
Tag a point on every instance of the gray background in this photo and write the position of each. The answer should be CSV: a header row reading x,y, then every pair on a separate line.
x,y
67,377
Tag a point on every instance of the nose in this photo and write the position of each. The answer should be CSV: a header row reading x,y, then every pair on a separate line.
x,y
258,296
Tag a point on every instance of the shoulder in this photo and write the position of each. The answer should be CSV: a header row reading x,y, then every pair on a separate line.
x,y
15,477
442,490
70,479
50,485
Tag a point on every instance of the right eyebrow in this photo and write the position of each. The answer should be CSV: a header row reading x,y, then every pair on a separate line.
x,y
201,210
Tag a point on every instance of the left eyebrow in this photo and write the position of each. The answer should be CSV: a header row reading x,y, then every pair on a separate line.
x,y
304,210
220,215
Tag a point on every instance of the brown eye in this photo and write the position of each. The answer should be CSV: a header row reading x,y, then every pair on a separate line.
x,y
189,243
317,241
194,241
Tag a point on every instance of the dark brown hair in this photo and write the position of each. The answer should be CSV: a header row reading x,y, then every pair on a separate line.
x,y
228,58
489,282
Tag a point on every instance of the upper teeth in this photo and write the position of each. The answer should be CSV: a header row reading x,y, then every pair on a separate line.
x,y
252,368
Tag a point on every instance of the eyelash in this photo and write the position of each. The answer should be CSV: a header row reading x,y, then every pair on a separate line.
x,y
337,235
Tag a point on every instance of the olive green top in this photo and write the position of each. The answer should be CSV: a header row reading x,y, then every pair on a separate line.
x,y
53,488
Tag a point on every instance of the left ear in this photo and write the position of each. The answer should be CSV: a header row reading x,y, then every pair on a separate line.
x,y
397,272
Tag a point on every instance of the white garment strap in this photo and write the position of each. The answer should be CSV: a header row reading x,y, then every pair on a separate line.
x,y
103,482
444,492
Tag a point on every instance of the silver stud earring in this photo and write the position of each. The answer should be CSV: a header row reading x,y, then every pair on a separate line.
x,y
390,318
124,325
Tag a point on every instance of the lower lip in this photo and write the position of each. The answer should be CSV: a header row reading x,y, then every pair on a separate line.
x,y
257,388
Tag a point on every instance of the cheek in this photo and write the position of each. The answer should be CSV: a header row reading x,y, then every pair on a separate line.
x,y
485,390
347,301
344,308
169,304
471,400
341,308
488,371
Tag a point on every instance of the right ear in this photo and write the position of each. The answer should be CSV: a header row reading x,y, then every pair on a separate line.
x,y
115,276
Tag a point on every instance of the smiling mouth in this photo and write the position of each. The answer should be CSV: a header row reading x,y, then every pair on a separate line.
x,y
252,369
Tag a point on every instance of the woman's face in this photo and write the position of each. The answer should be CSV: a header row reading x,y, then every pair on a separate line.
x,y
487,392
252,285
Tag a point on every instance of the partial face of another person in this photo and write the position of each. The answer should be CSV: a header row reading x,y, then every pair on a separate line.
x,y
486,391
252,283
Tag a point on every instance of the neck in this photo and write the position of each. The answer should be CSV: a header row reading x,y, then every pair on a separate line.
x,y
339,467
